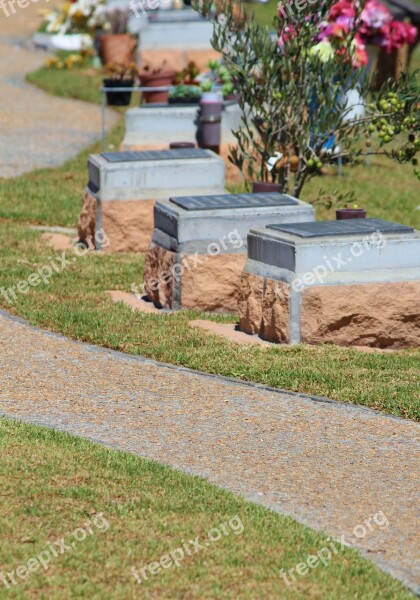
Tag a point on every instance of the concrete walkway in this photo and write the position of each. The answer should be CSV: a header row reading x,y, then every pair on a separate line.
x,y
329,465
36,129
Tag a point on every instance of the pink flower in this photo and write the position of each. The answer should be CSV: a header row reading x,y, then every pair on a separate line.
x,y
335,30
342,8
410,33
287,34
375,27
396,34
374,16
360,57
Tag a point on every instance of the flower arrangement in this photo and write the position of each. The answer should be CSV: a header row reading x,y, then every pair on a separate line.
x,y
75,16
373,24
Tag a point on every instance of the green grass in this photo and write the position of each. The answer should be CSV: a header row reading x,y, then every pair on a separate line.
x,y
51,196
55,483
387,191
82,82
264,13
76,303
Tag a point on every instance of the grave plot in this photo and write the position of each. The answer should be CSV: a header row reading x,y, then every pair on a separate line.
x,y
351,283
176,37
124,186
158,125
199,246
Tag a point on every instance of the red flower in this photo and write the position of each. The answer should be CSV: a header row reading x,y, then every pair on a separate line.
x,y
341,8
287,34
398,33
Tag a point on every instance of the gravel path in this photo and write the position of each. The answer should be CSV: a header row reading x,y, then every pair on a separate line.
x,y
327,464
36,129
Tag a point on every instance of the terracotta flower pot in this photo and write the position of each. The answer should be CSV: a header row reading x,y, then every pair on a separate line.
x,y
117,48
265,186
160,79
350,213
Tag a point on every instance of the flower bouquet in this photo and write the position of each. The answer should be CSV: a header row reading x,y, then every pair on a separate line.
x,y
374,26
71,26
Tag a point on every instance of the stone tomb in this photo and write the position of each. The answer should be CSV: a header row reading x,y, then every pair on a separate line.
x,y
161,124
176,37
351,283
199,246
124,186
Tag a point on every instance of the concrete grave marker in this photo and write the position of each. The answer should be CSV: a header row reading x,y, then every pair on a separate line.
x,y
161,124
124,186
350,282
202,241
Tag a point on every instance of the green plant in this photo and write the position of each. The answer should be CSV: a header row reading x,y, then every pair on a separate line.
x,y
121,72
188,75
219,78
292,99
185,91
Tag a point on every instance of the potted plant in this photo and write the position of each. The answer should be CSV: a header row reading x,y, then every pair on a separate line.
x,y
116,44
156,77
186,90
188,76
218,79
120,75
184,94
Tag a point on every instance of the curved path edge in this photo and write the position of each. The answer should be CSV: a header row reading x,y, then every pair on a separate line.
x,y
328,464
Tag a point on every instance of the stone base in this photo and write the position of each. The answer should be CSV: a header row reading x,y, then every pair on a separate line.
x,y
378,315
175,58
158,263
200,281
264,308
128,224
87,219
